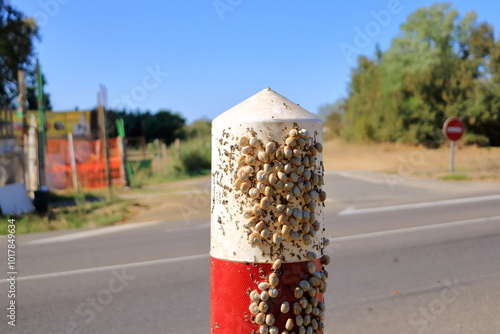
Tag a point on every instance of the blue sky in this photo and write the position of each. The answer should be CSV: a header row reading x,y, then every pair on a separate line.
x,y
201,57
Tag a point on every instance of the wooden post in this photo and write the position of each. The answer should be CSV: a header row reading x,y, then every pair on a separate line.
x,y
31,154
267,249
41,130
22,107
122,153
72,159
104,137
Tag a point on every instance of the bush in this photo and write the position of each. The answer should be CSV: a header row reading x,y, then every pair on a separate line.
x,y
195,158
475,139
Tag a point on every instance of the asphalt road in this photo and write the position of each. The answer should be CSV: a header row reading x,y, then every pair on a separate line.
x,y
408,256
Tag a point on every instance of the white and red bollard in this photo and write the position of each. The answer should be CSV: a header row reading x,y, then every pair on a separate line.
x,y
267,261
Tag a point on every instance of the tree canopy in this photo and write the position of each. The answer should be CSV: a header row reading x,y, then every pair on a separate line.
x,y
439,65
164,124
17,35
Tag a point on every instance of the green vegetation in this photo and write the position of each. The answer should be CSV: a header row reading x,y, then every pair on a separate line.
x,y
17,52
64,214
195,152
440,65
188,157
194,159
454,177
164,124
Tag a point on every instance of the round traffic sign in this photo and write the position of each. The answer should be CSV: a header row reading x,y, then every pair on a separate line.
x,y
453,128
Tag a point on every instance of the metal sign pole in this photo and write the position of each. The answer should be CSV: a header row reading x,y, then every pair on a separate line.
x,y
452,155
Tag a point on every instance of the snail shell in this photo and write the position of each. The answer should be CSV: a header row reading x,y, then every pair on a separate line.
x,y
319,147
254,308
270,319
243,141
304,285
311,267
253,192
247,150
304,133
299,320
285,307
273,292
322,196
253,141
282,176
270,148
289,324
312,256
254,296
260,318
296,308
265,233
263,156
298,292
288,152
277,264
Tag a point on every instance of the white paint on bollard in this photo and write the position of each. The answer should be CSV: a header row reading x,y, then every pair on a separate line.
x,y
266,158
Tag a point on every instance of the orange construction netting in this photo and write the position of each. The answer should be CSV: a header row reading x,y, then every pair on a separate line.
x,y
90,163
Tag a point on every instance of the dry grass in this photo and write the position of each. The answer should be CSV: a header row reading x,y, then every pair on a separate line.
x,y
471,163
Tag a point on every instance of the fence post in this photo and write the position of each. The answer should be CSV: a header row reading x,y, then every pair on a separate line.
x,y
72,160
266,256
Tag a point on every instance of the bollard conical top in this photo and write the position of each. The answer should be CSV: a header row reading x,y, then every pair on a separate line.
x,y
267,118
266,105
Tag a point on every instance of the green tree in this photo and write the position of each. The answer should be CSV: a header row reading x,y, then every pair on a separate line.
x,y
165,125
439,65
332,115
32,97
17,34
200,129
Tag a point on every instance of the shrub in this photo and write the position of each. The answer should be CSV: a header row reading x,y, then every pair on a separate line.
x,y
475,139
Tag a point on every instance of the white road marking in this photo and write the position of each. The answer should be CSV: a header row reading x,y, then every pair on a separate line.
x,y
353,211
414,229
107,268
89,234
334,244
356,177
392,180
417,290
189,228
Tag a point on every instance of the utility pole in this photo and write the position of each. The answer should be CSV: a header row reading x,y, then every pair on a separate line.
x,y
41,129
22,108
101,101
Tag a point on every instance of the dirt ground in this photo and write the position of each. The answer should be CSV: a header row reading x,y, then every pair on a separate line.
x,y
471,163
188,200
184,200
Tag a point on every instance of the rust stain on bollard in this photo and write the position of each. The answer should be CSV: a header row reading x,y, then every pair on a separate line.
x,y
267,263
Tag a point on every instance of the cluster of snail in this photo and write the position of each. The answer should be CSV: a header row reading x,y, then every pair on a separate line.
x,y
283,184
306,315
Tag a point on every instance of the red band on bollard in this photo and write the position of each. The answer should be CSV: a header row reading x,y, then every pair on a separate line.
x,y
230,286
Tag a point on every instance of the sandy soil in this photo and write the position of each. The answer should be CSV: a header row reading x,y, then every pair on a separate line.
x,y
472,163
190,199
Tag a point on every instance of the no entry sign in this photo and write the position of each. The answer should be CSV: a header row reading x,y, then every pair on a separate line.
x,y
453,128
